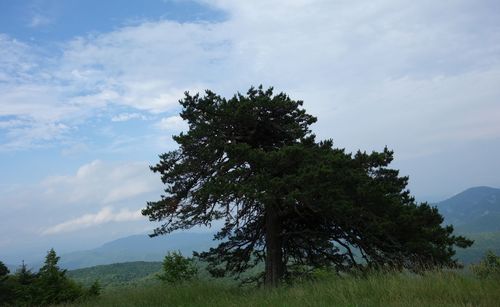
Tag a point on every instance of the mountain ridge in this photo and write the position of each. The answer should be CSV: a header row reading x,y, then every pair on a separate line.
x,y
138,248
474,212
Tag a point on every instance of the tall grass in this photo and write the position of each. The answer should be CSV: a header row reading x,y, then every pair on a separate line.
x,y
378,289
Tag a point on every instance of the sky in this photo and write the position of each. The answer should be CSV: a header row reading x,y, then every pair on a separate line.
x,y
89,96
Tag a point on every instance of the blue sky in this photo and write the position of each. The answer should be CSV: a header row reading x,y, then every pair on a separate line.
x,y
89,91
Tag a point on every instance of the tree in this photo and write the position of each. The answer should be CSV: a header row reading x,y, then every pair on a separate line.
x,y
488,267
52,284
286,199
176,268
24,281
6,288
4,271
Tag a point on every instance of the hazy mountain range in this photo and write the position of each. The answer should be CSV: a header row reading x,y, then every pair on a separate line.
x,y
138,248
474,212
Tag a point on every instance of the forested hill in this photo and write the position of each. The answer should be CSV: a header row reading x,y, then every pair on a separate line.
x,y
473,210
475,213
118,274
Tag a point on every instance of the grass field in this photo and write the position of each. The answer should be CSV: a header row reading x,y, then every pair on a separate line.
x,y
390,289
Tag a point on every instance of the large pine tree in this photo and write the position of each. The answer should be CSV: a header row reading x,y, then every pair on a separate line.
x,y
286,199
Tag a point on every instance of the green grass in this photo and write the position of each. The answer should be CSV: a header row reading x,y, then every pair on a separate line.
x,y
431,289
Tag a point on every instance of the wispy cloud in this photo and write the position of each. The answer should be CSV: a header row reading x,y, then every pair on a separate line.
x,y
39,20
105,215
123,117
103,183
97,193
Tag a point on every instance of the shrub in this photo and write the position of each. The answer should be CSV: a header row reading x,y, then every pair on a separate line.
x,y
489,267
94,290
177,268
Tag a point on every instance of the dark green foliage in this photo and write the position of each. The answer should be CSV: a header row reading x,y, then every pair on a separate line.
x,y
7,292
94,289
489,267
177,269
53,285
24,280
49,286
288,200
3,270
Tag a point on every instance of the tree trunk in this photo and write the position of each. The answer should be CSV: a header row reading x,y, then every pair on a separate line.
x,y
274,248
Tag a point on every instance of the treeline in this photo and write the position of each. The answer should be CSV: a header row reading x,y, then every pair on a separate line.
x,y
48,286
117,274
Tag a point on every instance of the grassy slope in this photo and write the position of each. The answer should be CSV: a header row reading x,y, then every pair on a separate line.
x,y
436,289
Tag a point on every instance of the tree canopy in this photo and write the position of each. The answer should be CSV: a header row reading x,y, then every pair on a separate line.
x,y
287,199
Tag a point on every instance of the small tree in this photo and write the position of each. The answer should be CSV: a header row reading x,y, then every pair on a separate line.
x,y
3,270
177,268
94,290
24,284
489,267
53,285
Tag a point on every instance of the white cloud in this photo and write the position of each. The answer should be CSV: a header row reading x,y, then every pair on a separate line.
x,y
103,183
39,20
172,123
412,75
100,200
123,117
105,215
334,55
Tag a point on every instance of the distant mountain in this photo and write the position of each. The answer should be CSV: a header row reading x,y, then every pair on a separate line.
x,y
474,213
138,248
474,210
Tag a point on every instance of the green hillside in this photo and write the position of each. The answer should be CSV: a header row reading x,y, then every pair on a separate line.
x,y
117,274
473,210
482,242
474,213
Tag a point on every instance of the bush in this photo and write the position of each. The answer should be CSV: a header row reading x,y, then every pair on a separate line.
x,y
489,267
177,268
94,290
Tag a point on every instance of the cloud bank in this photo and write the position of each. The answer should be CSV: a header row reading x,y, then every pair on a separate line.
x,y
381,64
